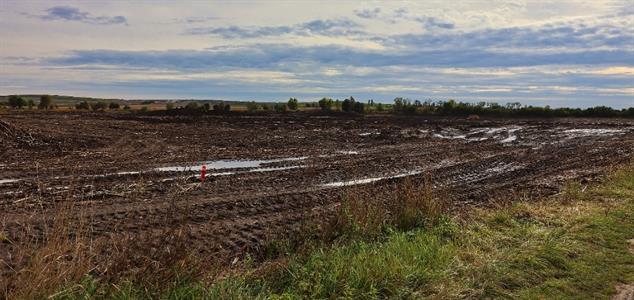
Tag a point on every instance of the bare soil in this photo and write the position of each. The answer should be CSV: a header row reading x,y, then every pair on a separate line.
x,y
107,163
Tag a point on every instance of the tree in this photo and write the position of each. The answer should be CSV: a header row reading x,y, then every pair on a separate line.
x,y
348,104
359,107
30,103
16,101
113,105
293,104
46,102
325,104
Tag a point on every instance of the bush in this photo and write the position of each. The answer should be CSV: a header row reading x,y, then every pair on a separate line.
x,y
192,105
280,107
83,105
252,106
222,107
126,107
46,102
100,105
30,103
293,104
16,101
113,105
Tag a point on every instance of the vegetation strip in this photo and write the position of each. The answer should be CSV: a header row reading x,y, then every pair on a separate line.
x,y
572,246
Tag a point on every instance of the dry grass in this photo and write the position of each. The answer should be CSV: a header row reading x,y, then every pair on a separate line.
x,y
57,252
404,205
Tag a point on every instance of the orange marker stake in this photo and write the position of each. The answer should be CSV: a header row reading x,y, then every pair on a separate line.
x,y
203,173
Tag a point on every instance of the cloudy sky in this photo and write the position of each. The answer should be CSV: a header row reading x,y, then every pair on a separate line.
x,y
560,53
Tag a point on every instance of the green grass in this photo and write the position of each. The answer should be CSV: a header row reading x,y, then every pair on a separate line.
x,y
571,247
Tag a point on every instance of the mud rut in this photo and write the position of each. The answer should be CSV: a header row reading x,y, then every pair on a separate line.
x,y
92,159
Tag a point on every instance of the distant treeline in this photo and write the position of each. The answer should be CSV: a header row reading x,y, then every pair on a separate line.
x,y
349,105
453,108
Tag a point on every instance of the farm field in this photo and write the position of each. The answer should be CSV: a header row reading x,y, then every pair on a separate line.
x,y
267,174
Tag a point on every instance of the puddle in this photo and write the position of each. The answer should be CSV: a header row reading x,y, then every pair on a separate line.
x,y
369,133
576,133
348,152
5,181
369,180
227,164
502,134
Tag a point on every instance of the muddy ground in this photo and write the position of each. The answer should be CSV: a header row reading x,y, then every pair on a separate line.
x,y
269,173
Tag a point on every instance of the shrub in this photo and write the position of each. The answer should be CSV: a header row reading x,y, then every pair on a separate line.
x,y
100,105
30,103
126,107
293,104
359,107
46,102
252,106
82,105
113,105
222,107
192,105
280,107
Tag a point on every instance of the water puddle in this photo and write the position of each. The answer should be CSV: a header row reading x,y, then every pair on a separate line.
x,y
503,135
5,181
228,164
577,133
370,180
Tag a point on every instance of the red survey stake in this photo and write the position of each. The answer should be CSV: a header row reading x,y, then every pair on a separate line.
x,y
203,172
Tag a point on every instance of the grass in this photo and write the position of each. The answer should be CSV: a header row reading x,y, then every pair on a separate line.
x,y
573,246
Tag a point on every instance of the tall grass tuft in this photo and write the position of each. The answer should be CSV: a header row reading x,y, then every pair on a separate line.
x,y
368,213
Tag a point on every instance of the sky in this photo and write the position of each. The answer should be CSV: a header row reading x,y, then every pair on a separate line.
x,y
557,53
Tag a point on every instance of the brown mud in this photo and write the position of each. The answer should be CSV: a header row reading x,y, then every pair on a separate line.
x,y
109,164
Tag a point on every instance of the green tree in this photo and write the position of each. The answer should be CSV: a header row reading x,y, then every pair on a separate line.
x,y
113,105
293,104
46,102
325,104
16,101
30,103
348,105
